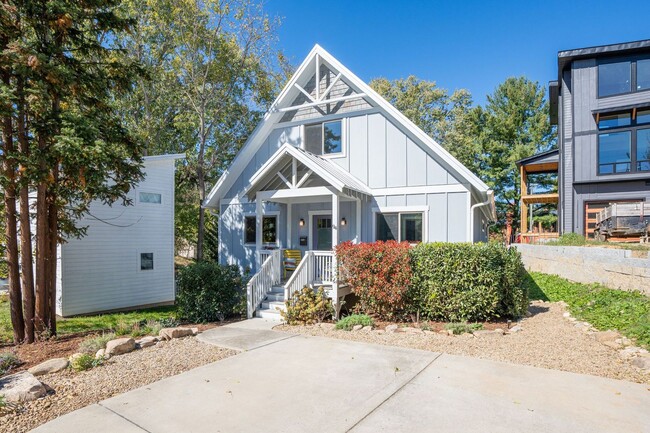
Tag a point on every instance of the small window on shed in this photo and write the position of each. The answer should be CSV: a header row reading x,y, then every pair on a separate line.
x,y
150,197
146,261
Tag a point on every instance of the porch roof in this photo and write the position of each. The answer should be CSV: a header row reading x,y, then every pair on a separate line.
x,y
292,168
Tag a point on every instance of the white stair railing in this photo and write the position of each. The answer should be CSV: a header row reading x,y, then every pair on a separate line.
x,y
316,267
261,283
323,267
300,278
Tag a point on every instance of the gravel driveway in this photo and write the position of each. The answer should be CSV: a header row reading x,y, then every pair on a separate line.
x,y
71,391
548,340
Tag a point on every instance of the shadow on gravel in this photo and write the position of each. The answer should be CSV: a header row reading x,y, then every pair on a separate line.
x,y
537,309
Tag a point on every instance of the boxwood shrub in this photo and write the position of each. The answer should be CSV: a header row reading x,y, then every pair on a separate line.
x,y
208,292
466,282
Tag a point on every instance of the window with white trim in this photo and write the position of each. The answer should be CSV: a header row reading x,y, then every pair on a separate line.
x,y
269,229
150,197
324,138
399,226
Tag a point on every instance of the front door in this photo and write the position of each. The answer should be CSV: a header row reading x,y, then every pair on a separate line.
x,y
322,232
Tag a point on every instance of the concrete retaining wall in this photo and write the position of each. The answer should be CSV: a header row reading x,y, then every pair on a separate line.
x,y
614,268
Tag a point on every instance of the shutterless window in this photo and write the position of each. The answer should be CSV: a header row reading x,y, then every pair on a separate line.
x,y
146,261
399,227
643,74
314,138
614,78
614,152
269,229
615,120
332,135
150,197
642,117
643,150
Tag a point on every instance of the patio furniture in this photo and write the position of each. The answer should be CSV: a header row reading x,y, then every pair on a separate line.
x,y
290,261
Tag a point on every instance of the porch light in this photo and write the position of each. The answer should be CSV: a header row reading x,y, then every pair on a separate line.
x,y
343,221
301,223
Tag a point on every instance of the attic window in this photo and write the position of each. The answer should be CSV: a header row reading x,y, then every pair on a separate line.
x,y
324,138
150,197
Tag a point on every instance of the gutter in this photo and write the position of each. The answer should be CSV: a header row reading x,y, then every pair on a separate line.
x,y
489,201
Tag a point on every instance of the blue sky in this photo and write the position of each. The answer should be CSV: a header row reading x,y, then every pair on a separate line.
x,y
471,44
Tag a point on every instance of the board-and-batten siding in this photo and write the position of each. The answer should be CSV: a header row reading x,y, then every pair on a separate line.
x,y
101,271
567,153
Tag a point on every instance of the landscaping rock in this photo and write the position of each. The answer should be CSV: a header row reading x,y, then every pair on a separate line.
x,y
367,328
642,362
120,346
50,366
499,330
169,333
146,342
567,315
427,332
195,331
443,332
21,387
606,336
357,327
327,326
515,329
391,328
101,353
411,330
629,352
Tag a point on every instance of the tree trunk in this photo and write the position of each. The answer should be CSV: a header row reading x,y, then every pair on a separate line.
x,y
26,257
42,248
11,230
200,177
52,262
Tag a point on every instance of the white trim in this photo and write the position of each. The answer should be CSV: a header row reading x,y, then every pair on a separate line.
x,y
401,210
310,215
295,193
321,102
173,156
325,118
276,214
344,148
410,190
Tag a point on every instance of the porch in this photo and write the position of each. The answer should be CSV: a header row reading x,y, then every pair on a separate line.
x,y
320,206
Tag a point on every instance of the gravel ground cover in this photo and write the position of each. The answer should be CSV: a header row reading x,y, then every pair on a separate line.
x,y
71,391
548,340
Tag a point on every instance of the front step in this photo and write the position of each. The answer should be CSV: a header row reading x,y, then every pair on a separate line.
x,y
269,314
274,305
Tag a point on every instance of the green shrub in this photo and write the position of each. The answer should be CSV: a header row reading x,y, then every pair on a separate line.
x,y
93,344
84,362
7,362
208,291
168,322
460,282
306,307
569,239
3,402
379,274
349,322
463,327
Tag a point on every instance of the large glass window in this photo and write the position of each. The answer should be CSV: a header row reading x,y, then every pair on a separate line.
x,y
643,150
615,120
614,78
332,137
269,229
614,152
642,117
643,74
324,138
399,227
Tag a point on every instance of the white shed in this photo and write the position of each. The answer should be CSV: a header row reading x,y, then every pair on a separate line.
x,y
126,260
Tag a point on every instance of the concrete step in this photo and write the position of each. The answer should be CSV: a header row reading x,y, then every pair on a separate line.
x,y
278,297
268,314
277,289
274,305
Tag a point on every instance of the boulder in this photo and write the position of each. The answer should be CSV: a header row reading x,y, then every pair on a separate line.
x,y
120,346
50,366
169,333
195,331
515,329
21,387
146,342
391,328
357,327
367,328
327,326
642,362
101,353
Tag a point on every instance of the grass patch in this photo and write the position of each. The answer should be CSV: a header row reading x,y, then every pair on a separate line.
x,y
7,362
349,322
463,327
84,362
604,308
132,322
576,240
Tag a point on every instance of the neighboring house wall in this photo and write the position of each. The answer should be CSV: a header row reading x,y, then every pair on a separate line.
x,y
101,271
578,132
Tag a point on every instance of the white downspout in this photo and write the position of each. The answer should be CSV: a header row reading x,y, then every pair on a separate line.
x,y
471,214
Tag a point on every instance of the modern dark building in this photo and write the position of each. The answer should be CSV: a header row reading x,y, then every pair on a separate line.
x,y
601,105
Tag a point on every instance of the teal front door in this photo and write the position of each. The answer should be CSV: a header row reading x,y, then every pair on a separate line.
x,y
322,232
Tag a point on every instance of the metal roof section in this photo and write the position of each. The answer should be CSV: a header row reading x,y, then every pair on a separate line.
x,y
539,158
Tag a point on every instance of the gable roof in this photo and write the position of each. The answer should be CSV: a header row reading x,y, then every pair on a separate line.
x,y
302,75
331,173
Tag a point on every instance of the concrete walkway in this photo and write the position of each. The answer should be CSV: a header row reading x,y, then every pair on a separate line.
x,y
290,383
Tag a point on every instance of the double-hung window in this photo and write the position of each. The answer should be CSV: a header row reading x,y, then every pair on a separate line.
x,y
624,143
399,226
269,229
324,138
617,77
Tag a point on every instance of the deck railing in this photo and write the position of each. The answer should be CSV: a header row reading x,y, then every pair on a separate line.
x,y
260,284
316,267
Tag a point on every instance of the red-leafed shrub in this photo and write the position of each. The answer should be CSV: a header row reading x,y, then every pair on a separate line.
x,y
379,274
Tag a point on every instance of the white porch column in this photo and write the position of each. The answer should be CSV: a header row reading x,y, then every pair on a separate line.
x,y
258,229
358,222
335,220
289,206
